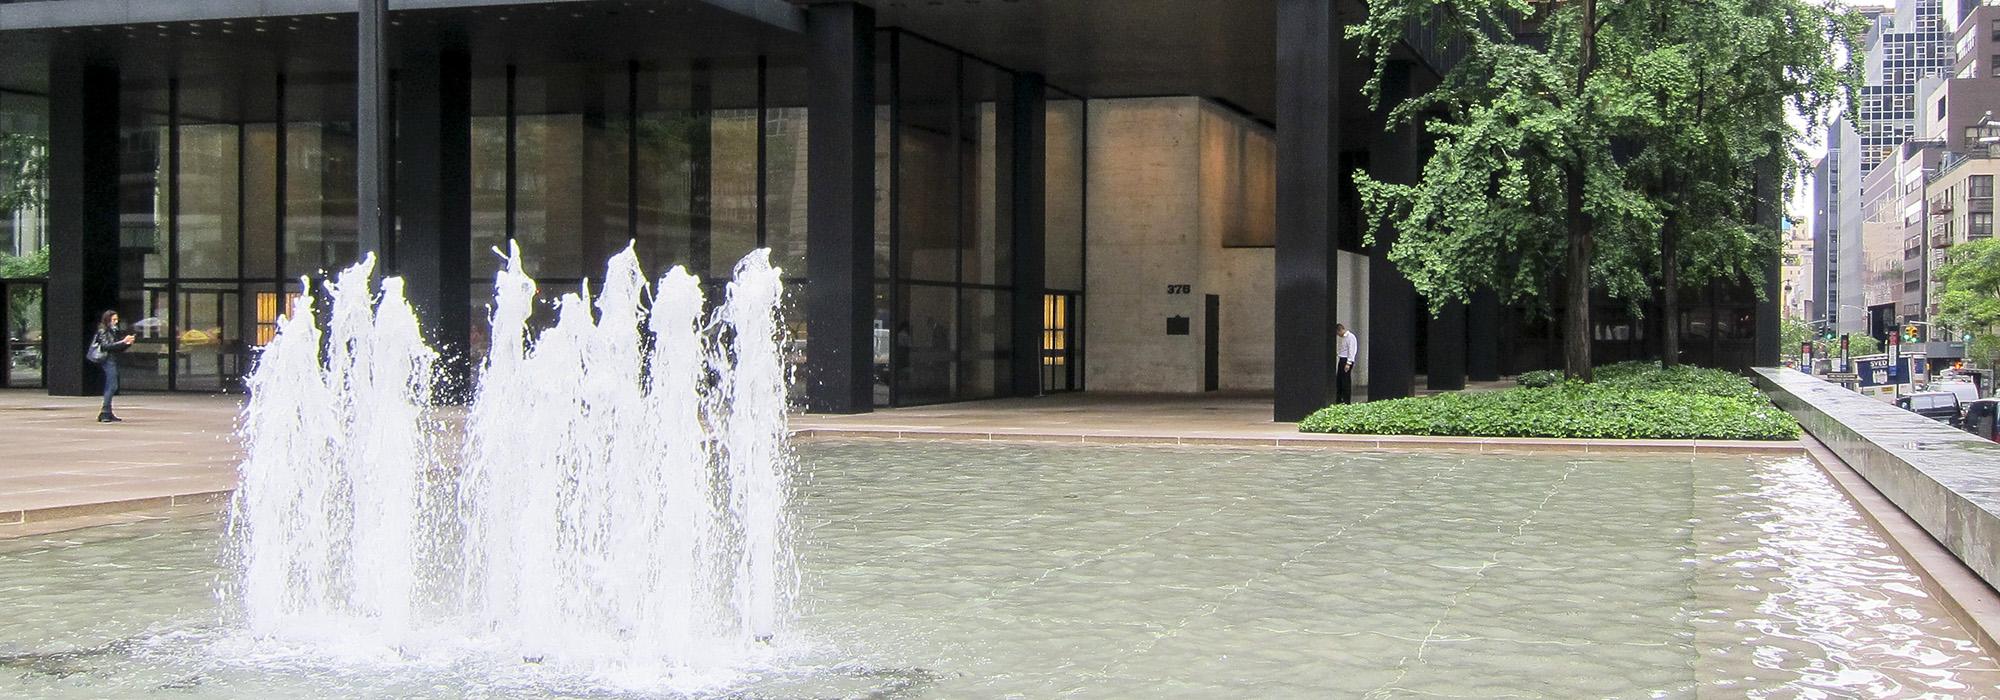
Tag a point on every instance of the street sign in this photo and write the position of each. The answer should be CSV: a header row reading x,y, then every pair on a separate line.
x,y
1842,377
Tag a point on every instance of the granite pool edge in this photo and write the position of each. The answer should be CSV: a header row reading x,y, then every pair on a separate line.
x,y
1969,599
1492,445
1946,480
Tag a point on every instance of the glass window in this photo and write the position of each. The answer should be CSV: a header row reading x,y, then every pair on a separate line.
x,y
144,189
208,216
928,193
984,367
570,168
985,233
24,332
731,187
1979,225
489,184
260,200
1979,186
320,199
785,169
926,340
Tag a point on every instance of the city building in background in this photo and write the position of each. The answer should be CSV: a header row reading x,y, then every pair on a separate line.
x,y
1797,272
1863,241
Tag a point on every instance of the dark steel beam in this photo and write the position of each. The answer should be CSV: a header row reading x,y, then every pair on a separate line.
x,y
1446,368
373,165
1027,170
1308,109
840,209
83,206
434,198
1482,337
1392,301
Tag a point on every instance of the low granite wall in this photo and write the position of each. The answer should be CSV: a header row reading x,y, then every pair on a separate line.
x,y
1947,480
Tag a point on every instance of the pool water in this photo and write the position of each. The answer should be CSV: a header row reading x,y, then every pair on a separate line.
x,y
937,570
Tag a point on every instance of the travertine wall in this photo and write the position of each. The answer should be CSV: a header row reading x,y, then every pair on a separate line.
x,y
1182,193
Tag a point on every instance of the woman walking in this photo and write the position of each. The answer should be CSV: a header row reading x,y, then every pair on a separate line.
x,y
105,347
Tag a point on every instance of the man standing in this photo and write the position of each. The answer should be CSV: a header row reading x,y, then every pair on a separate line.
x,y
1343,384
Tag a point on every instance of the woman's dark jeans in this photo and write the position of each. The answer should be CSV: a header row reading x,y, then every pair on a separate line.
x,y
110,367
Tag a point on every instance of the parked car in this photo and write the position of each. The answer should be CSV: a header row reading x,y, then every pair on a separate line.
x,y
1940,406
1982,418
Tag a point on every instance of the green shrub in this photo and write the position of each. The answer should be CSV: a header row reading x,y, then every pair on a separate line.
x,y
1636,402
1540,378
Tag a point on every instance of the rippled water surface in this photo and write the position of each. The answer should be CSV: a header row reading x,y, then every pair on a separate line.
x,y
937,571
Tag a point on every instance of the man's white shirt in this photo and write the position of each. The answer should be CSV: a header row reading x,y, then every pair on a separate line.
x,y
1348,346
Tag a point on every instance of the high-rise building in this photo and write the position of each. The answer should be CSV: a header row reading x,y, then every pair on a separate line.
x,y
1904,48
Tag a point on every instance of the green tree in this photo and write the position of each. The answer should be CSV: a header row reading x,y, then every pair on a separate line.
x,y
1523,185
1721,77
1969,297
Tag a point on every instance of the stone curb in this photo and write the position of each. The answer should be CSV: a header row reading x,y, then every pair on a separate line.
x,y
1358,442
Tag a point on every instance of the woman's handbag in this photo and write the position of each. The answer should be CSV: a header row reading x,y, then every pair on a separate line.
x,y
95,353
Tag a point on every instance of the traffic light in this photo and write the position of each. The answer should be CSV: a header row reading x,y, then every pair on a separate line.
x,y
1910,333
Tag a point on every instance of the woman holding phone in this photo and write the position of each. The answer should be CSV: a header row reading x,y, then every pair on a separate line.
x,y
105,346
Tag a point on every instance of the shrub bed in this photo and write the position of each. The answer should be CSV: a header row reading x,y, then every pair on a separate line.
x,y
1630,401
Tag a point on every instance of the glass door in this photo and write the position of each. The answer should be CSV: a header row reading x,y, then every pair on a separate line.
x,y
1060,370
23,318
208,343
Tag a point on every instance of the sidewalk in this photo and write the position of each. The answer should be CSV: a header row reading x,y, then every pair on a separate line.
x,y
58,464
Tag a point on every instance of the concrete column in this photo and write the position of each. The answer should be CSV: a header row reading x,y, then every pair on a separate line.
x,y
433,147
1447,349
1024,132
840,211
83,215
1482,337
1392,301
1308,109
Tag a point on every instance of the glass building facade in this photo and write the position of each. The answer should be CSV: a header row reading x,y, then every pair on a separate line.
x,y
229,194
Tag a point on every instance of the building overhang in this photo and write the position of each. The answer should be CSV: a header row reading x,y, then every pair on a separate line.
x,y
58,14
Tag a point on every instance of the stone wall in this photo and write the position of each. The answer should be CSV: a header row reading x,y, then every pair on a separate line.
x,y
1182,193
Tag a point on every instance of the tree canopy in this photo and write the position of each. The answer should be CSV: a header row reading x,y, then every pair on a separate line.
x,y
1969,296
1573,134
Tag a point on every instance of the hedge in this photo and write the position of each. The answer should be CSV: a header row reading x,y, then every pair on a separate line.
x,y
1632,402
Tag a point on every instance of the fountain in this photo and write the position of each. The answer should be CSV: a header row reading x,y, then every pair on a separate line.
x,y
614,503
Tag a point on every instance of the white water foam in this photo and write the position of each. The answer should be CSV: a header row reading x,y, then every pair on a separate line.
x,y
615,505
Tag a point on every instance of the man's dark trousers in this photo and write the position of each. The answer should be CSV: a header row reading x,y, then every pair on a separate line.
x,y
1343,385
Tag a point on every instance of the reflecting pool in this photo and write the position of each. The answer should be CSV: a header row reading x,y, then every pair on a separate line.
x,y
999,570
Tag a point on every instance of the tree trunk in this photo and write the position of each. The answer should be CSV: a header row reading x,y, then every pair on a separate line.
x,y
1576,297
1670,292
1576,315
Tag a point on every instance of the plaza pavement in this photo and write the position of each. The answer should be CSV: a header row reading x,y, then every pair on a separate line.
x,y
60,469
